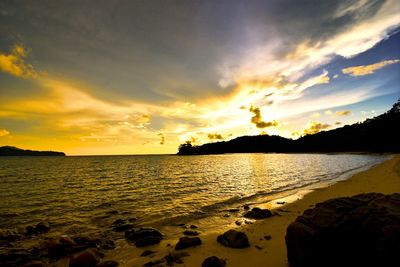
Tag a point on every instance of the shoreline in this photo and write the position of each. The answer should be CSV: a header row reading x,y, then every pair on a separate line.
x,y
383,177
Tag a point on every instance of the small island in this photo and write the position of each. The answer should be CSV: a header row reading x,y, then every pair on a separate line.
x,y
15,151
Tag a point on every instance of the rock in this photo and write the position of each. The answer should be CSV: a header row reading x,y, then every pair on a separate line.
x,y
246,207
121,225
234,239
267,237
35,263
144,236
227,215
87,258
213,261
154,263
40,228
186,242
280,202
257,213
9,235
175,257
233,210
109,263
193,226
238,223
258,247
363,230
147,253
87,242
190,233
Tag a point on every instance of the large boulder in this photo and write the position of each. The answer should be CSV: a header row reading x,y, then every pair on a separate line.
x,y
87,258
145,236
213,261
234,239
363,230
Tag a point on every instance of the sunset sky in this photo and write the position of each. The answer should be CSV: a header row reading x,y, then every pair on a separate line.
x,y
138,77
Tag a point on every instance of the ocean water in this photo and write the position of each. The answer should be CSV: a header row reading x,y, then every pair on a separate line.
x,y
86,194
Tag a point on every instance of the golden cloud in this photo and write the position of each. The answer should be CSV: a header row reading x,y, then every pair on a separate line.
x,y
257,119
368,69
315,127
343,113
4,132
14,64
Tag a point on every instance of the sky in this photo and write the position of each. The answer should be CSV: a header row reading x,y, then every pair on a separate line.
x,y
141,77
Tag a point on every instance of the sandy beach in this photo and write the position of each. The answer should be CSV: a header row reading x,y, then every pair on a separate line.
x,y
383,178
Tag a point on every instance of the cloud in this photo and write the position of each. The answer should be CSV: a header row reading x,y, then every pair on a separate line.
x,y
343,113
14,64
257,119
215,136
162,138
315,127
4,132
368,69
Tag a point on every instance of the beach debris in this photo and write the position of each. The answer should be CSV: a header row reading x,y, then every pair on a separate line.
x,y
190,233
144,236
87,258
234,239
39,228
363,230
175,257
213,261
257,213
147,253
109,263
186,242
193,226
267,237
121,225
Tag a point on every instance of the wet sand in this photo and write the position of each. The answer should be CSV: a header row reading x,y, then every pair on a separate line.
x,y
383,178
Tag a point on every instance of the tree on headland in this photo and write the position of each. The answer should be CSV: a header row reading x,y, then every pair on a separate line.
x,y
377,134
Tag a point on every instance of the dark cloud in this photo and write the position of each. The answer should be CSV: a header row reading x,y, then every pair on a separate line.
x,y
257,119
215,136
162,138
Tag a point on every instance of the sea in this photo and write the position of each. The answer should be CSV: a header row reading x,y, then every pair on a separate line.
x,y
85,194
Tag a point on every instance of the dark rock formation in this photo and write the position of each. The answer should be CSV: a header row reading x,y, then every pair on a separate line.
x,y
362,230
234,239
175,257
213,261
257,213
144,236
187,242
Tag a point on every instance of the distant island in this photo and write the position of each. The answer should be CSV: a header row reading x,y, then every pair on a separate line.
x,y
15,151
378,134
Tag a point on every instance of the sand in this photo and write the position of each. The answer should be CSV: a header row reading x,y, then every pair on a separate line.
x,y
383,178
